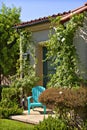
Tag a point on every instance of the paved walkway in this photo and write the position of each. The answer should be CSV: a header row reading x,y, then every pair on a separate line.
x,y
35,116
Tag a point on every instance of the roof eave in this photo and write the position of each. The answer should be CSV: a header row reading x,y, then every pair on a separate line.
x,y
32,24
64,18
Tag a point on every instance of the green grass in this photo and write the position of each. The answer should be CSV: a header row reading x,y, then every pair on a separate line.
x,y
6,124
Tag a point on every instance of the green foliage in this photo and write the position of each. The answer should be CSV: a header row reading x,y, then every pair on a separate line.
x,y
27,64
56,123
10,94
9,104
51,123
27,82
28,43
85,125
8,40
6,112
63,53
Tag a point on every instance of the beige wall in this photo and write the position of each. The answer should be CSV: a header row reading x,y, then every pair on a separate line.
x,y
80,41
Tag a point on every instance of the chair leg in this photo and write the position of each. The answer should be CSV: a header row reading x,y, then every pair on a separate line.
x,y
33,108
44,109
28,109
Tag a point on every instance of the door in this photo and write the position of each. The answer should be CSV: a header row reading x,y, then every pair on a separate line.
x,y
47,67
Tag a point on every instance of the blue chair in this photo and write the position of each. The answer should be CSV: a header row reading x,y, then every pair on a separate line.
x,y
36,91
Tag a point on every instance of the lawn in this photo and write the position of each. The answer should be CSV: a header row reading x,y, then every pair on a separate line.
x,y
6,124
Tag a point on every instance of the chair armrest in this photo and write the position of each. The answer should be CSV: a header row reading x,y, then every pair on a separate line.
x,y
28,98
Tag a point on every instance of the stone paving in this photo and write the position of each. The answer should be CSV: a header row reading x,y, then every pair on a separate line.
x,y
35,116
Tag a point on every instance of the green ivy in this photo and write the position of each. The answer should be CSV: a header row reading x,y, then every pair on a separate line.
x,y
63,53
28,79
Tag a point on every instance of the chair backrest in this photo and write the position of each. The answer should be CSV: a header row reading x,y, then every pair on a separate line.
x,y
36,91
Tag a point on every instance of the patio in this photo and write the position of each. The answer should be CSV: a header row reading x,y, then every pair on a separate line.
x,y
35,116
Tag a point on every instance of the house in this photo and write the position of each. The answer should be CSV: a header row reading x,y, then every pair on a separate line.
x,y
40,29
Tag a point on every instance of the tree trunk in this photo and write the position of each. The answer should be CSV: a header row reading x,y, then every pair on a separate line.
x,y
0,76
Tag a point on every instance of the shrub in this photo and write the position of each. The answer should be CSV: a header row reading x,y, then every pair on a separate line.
x,y
9,104
51,123
55,123
70,103
64,97
6,112
1,87
10,93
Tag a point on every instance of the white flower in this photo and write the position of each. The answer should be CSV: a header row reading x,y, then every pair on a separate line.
x,y
63,39
55,28
60,92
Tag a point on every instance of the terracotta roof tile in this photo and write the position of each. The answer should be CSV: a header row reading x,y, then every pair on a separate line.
x,y
65,16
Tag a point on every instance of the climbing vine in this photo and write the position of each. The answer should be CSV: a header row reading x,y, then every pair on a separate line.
x,y
25,77
63,53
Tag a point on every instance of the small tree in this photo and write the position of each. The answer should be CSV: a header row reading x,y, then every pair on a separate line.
x,y
8,40
63,53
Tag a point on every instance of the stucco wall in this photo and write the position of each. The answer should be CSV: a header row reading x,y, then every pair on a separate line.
x,y
38,37
41,36
80,41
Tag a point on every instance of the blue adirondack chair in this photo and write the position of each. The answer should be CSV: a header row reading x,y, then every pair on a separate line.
x,y
36,91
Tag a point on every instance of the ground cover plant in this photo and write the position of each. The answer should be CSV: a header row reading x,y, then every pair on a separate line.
x,y
6,124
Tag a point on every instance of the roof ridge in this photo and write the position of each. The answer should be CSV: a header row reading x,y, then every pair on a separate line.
x,y
79,7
